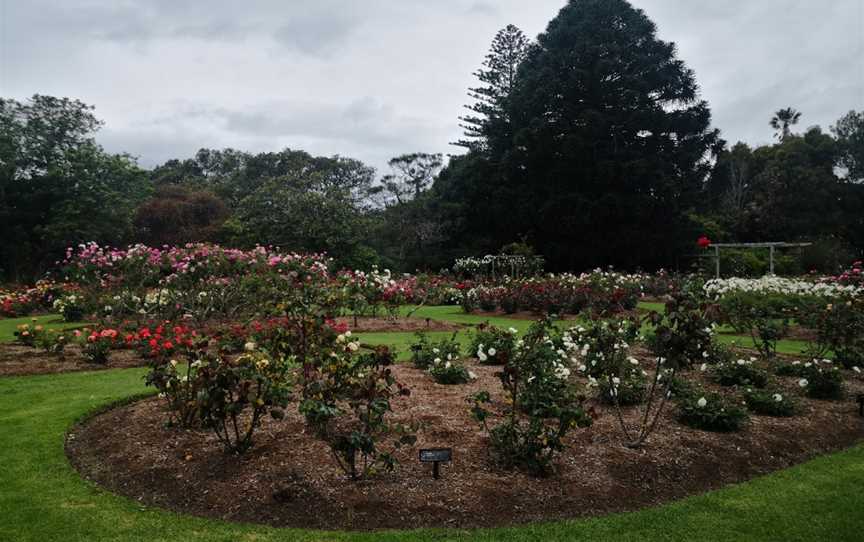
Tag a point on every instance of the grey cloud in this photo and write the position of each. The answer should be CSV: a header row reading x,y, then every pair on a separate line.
x,y
482,8
316,33
362,121
376,78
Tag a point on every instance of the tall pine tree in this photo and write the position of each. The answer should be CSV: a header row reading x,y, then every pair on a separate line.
x,y
490,121
611,141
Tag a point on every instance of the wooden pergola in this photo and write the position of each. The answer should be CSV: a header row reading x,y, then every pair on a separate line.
x,y
770,246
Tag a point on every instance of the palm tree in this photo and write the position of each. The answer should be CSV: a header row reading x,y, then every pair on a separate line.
x,y
783,120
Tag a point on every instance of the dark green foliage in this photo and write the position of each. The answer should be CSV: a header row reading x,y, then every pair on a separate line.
x,y
770,403
424,352
840,328
795,368
449,372
739,373
681,388
849,132
710,412
57,186
606,134
823,380
491,118
630,390
492,345
786,191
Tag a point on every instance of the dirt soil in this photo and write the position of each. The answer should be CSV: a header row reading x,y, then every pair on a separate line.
x,y
290,479
375,324
18,360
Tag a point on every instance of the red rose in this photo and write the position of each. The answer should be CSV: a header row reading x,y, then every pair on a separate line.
x,y
703,242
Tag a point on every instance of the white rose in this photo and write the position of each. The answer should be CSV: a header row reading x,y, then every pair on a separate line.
x,y
701,402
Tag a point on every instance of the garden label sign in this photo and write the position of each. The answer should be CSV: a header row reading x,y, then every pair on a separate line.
x,y
436,456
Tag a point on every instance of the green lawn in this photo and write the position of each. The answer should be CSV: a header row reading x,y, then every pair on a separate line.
x,y
43,498
8,326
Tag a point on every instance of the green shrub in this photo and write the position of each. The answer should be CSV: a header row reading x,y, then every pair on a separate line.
x,y
53,341
630,389
541,407
739,373
796,368
679,387
347,400
424,352
711,412
822,380
27,334
840,328
449,371
71,307
98,344
770,403
493,345
233,396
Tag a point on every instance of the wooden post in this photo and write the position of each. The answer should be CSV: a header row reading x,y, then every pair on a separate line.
x,y
717,261
771,260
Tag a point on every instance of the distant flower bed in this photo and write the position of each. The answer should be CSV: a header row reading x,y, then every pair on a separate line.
x,y
780,285
601,292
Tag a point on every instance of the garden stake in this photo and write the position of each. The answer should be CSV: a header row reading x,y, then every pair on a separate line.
x,y
436,456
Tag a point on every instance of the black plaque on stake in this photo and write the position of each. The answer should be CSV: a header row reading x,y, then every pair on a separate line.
x,y
860,400
436,456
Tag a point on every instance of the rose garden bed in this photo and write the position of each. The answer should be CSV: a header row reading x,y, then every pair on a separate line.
x,y
289,479
370,324
19,360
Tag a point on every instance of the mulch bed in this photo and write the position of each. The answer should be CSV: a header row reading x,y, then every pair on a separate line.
x,y
289,478
369,324
18,360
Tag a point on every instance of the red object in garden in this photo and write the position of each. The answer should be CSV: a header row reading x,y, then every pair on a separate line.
x,y
703,242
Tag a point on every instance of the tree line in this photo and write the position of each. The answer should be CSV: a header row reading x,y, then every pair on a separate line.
x,y
589,145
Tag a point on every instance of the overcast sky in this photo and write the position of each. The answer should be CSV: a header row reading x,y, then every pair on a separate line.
x,y
373,79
